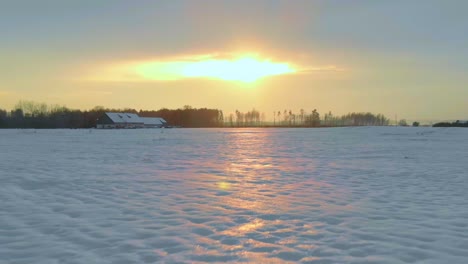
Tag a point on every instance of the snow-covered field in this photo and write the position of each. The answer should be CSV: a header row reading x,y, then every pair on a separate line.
x,y
340,195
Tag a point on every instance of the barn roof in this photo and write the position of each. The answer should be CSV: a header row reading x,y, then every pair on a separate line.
x,y
153,120
119,118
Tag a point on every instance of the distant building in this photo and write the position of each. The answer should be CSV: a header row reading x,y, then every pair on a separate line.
x,y
152,122
119,120
128,120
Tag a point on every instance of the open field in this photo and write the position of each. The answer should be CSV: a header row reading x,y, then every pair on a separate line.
x,y
331,195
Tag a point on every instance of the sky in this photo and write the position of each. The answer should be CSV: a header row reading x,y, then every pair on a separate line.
x,y
399,58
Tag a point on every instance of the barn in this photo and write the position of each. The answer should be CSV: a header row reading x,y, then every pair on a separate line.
x,y
119,120
128,120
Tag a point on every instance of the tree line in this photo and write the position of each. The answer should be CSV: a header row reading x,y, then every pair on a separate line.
x,y
457,123
288,118
188,116
29,114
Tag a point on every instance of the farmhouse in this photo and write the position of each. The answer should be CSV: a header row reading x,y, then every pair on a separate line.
x,y
128,120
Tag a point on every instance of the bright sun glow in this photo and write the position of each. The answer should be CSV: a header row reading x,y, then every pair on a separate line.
x,y
245,69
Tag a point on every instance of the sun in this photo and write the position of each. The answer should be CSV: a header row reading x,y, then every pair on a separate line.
x,y
243,69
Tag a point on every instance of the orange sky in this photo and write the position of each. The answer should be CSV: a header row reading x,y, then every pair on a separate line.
x,y
395,58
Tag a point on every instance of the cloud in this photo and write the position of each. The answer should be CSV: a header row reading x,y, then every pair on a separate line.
x,y
328,68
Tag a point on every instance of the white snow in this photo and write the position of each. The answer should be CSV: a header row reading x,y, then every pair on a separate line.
x,y
340,195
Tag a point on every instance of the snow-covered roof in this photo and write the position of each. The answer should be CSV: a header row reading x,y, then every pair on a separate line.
x,y
153,120
124,117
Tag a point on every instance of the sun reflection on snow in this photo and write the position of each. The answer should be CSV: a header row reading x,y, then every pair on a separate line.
x,y
245,228
223,185
251,166
264,199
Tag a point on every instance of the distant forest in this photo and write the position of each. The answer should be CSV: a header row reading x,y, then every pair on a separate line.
x,y
28,114
457,123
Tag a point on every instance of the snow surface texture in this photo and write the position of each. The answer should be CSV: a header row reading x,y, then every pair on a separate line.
x,y
341,195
